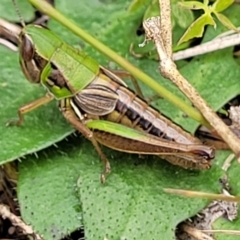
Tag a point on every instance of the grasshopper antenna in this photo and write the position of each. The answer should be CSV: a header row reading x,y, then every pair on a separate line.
x,y
18,13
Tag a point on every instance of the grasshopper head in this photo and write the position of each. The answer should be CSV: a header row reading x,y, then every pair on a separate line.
x,y
31,63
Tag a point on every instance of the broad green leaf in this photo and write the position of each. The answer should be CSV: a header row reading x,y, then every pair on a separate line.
x,y
8,12
225,21
197,27
61,190
183,17
47,191
193,5
205,73
221,5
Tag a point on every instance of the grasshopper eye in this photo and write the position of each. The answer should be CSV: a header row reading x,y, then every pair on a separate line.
x,y
26,48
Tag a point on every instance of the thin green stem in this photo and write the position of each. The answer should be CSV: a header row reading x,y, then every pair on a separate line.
x,y
53,13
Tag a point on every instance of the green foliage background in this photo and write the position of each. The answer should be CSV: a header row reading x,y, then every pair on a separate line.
x,y
59,191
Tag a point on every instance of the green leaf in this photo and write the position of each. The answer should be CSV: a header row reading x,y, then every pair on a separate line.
x,y
61,190
153,10
206,2
138,4
8,12
46,191
193,5
182,17
196,28
225,21
221,5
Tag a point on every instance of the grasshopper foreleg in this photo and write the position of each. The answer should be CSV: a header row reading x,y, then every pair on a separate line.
x,y
70,115
28,108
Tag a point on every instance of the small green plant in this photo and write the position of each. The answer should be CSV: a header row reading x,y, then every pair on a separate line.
x,y
197,27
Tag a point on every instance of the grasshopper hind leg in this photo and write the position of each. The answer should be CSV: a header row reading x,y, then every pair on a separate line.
x,y
72,117
190,161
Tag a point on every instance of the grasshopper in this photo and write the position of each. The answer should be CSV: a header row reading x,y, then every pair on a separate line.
x,y
99,104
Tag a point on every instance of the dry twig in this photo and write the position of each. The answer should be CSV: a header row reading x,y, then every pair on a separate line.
x,y
200,226
16,221
153,29
221,42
